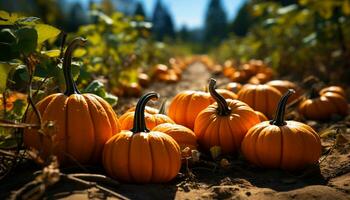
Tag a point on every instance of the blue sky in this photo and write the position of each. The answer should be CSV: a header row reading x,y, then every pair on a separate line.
x,y
187,12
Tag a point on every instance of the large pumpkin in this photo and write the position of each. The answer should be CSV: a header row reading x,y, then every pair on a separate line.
x,y
289,145
184,136
140,155
186,105
323,105
283,86
262,98
82,122
224,123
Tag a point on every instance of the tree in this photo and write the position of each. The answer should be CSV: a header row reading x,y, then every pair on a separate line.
x,y
139,10
184,34
163,25
215,23
242,22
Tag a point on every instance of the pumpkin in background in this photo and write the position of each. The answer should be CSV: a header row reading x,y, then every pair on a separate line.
x,y
259,78
333,89
289,145
184,136
153,117
262,98
320,107
224,123
82,122
233,87
143,80
186,105
283,86
140,155
261,116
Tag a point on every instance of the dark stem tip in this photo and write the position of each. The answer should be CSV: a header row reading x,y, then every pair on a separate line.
x,y
281,108
223,108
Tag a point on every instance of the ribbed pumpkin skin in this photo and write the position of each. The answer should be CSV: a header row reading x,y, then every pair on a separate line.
x,y
262,98
152,120
261,116
227,132
289,147
186,105
82,124
324,106
148,109
142,157
184,136
283,86
333,89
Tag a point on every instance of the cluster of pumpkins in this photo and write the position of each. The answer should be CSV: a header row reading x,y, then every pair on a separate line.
x,y
170,73
144,146
254,72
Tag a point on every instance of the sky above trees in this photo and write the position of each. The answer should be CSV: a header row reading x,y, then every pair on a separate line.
x,y
187,12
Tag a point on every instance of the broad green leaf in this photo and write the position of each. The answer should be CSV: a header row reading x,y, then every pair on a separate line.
x,y
111,99
51,53
7,18
46,32
27,40
4,71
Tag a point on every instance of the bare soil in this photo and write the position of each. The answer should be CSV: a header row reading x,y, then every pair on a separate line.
x,y
207,180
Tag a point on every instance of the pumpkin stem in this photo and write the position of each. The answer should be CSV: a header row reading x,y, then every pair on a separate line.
x,y
281,108
139,116
223,108
162,107
71,87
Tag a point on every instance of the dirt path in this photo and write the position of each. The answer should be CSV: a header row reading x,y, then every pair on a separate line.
x,y
330,180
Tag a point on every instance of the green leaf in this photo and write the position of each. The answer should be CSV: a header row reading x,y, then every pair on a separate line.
x,y
27,40
4,71
46,32
7,18
346,7
51,53
111,99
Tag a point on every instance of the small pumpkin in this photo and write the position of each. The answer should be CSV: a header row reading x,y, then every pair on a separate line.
x,y
186,105
261,116
234,87
82,122
333,89
262,98
289,145
140,155
259,78
224,123
152,119
320,107
184,136
143,80
283,86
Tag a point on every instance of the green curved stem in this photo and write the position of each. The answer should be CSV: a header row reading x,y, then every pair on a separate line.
x,y
223,108
281,108
71,87
139,116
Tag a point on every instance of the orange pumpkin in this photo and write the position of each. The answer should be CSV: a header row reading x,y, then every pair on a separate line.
x,y
233,87
140,155
324,106
261,116
289,145
184,136
82,122
283,86
143,80
259,78
224,123
186,105
262,98
152,119
333,89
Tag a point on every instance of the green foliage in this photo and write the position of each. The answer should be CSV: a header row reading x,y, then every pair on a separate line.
x,y
309,37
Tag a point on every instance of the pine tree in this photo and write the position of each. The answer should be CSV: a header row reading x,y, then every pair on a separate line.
x,y
139,10
215,23
242,22
163,25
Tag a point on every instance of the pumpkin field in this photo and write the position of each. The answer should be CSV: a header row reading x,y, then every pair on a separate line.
x,y
119,106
